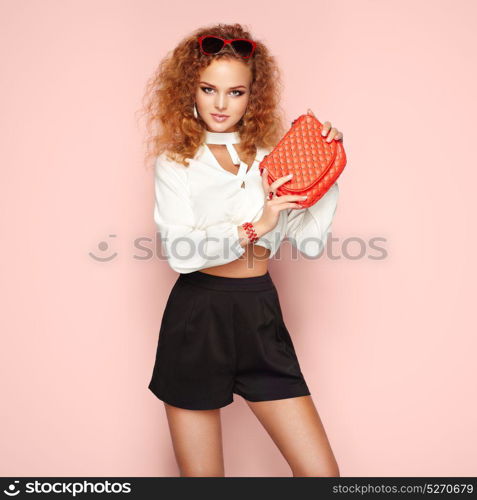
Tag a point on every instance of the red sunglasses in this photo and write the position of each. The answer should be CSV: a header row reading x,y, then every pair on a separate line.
x,y
211,44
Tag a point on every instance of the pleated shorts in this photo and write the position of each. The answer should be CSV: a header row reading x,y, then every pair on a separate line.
x,y
220,336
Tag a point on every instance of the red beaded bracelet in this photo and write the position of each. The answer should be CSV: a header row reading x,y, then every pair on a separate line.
x,y
250,230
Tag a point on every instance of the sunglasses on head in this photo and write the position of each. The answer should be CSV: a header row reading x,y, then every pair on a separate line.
x,y
211,44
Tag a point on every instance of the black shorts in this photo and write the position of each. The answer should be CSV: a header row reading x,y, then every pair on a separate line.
x,y
220,336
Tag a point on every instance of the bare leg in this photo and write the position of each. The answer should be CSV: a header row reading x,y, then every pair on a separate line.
x,y
296,428
197,441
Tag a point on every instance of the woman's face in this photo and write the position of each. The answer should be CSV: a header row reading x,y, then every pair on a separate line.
x,y
224,88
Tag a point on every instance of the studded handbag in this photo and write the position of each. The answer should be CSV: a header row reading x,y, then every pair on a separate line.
x,y
304,152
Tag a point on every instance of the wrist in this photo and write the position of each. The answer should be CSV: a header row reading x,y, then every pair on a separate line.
x,y
251,233
245,236
260,228
249,229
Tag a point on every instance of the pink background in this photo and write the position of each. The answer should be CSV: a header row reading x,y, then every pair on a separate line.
x,y
387,345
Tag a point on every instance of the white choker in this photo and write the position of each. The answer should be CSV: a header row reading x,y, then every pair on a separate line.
x,y
221,137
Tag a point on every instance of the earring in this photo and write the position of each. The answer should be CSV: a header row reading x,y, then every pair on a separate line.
x,y
195,112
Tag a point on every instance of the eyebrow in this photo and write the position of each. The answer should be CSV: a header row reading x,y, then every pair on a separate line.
x,y
236,87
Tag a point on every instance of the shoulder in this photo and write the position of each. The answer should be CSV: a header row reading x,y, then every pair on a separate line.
x,y
263,151
168,169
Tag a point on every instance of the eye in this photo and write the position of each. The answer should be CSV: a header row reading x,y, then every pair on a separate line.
x,y
206,89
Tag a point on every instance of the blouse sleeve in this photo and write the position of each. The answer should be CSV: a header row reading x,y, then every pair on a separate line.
x,y
308,228
187,247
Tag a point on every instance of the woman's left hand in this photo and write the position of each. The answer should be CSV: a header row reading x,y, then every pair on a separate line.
x,y
328,130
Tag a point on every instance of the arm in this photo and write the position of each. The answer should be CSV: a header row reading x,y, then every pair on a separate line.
x,y
188,248
308,228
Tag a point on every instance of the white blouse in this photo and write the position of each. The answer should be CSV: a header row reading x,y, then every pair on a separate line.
x,y
198,208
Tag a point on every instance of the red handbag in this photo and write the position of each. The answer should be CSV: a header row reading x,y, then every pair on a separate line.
x,y
304,152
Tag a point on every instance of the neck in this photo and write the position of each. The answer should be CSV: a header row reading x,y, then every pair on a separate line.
x,y
221,137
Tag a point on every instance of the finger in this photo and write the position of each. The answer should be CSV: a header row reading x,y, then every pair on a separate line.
x,y
339,136
309,111
286,206
326,128
281,180
331,135
287,198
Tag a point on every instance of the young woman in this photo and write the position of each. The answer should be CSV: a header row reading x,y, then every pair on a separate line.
x,y
214,104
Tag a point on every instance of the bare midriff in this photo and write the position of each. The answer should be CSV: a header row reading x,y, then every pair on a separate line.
x,y
253,262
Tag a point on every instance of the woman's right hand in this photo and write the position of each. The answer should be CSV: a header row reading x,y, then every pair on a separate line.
x,y
273,207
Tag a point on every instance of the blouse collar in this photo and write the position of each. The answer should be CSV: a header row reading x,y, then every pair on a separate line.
x,y
221,137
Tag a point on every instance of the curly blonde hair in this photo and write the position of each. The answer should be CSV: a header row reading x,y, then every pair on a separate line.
x,y
170,93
